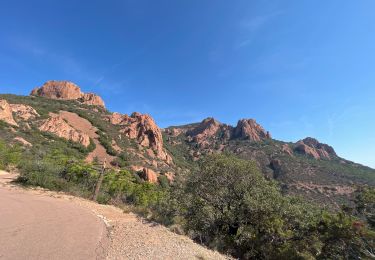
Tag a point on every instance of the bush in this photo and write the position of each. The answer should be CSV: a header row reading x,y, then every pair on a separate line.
x,y
228,205
9,155
107,143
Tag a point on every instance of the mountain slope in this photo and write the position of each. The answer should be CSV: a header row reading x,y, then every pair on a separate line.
x,y
307,168
59,116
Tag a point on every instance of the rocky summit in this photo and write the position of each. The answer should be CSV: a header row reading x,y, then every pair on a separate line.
x,y
68,91
312,147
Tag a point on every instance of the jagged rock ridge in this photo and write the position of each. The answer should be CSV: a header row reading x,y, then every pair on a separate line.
x,y
143,129
210,128
66,90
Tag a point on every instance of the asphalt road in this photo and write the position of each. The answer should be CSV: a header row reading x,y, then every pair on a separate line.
x,y
36,226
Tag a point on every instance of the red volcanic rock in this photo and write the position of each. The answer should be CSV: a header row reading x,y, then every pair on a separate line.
x,y
286,149
250,129
24,112
143,129
56,125
205,130
210,130
92,99
6,114
149,175
312,147
68,91
58,90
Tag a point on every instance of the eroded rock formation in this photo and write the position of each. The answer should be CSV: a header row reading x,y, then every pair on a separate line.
x,y
24,112
56,125
142,128
68,91
250,129
207,129
312,147
6,114
210,129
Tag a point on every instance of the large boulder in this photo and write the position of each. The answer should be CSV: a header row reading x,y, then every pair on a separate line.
x,y
149,175
6,114
56,125
66,90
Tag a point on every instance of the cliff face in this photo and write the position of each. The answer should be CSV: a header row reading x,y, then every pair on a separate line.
x,y
66,90
144,130
250,129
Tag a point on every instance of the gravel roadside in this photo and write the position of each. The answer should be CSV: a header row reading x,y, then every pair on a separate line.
x,y
130,236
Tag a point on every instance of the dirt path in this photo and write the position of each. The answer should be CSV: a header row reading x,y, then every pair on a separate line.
x,y
42,227
130,237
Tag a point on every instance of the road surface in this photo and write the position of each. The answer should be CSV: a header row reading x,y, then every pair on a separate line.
x,y
33,226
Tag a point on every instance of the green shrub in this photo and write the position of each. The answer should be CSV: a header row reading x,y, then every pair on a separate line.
x,y
228,205
9,155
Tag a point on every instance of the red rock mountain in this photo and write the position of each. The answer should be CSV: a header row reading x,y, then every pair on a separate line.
x,y
250,129
68,91
210,129
312,147
143,129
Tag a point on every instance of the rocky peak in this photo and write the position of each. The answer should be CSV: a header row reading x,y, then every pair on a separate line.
x,y
207,128
250,129
68,91
6,114
142,128
312,147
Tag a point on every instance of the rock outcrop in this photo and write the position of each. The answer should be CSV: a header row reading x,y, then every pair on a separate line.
x,y
22,141
6,114
312,147
66,90
149,175
210,129
56,125
142,128
286,149
92,100
207,129
24,112
251,130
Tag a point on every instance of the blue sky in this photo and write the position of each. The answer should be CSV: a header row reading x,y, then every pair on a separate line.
x,y
300,68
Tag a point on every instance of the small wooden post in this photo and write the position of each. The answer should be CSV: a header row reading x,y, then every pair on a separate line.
x,y
100,180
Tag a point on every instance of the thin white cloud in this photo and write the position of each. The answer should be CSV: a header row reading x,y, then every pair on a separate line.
x,y
68,64
248,27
